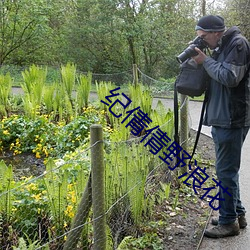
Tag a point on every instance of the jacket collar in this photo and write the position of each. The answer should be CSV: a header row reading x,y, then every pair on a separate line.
x,y
231,32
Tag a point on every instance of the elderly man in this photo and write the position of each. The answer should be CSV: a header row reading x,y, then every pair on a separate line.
x,y
228,112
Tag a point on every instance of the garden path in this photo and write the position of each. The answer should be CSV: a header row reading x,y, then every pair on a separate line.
x,y
241,242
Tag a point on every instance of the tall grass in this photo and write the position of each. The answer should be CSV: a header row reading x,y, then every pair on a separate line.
x,y
68,74
126,172
6,184
5,90
33,86
103,89
48,98
83,90
141,96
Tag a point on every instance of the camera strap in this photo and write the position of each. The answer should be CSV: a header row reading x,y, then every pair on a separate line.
x,y
176,121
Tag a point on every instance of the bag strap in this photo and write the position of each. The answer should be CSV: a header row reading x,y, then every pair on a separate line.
x,y
200,126
176,120
176,115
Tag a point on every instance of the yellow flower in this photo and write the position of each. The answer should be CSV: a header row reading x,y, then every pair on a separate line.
x,y
69,211
31,186
38,156
73,199
14,209
16,152
37,196
45,151
6,132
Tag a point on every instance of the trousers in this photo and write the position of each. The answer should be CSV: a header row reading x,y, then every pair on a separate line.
x,y
228,146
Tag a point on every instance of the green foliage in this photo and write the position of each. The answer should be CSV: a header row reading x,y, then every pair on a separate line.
x,y
15,71
33,85
6,184
103,89
164,118
29,245
83,91
68,74
5,90
29,206
165,191
43,137
176,199
103,36
126,172
23,25
55,196
147,241
48,98
141,96
57,188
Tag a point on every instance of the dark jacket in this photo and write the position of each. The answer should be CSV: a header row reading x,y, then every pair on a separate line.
x,y
228,103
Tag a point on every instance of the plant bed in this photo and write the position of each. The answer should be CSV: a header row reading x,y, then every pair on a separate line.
x,y
147,206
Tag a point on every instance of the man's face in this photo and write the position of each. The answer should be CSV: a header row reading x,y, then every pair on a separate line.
x,y
211,38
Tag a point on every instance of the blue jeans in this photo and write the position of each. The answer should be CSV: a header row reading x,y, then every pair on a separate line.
x,y
228,145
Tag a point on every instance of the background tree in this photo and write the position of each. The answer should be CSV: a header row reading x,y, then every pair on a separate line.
x,y
21,25
105,36
237,12
94,38
109,36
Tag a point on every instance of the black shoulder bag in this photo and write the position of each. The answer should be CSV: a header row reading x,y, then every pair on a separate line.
x,y
192,81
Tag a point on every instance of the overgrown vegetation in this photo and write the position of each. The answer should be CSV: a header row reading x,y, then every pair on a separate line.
x,y
36,211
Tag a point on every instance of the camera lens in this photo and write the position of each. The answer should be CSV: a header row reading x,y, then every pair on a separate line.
x,y
190,51
187,53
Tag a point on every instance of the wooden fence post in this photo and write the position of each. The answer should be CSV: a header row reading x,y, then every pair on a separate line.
x,y
80,218
98,195
135,74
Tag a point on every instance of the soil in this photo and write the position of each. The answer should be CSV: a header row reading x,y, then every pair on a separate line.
x,y
25,164
186,225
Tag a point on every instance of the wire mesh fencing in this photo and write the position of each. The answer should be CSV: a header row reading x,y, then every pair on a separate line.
x,y
57,209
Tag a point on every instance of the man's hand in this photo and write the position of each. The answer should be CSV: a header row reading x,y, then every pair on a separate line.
x,y
200,58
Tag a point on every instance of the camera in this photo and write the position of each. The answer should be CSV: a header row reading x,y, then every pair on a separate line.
x,y
190,51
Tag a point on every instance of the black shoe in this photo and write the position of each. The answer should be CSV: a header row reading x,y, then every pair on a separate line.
x,y
221,231
241,219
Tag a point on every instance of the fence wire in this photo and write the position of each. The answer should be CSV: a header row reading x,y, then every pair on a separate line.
x,y
40,211
46,229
